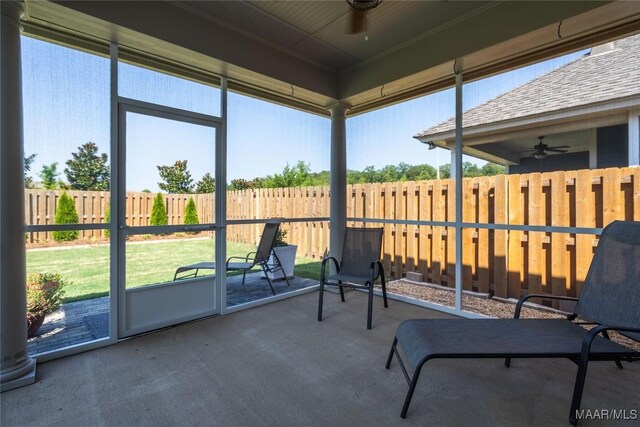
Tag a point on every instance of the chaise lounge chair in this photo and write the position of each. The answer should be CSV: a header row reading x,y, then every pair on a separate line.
x,y
610,301
258,258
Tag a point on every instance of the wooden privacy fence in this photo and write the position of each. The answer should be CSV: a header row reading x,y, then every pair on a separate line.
x,y
312,237
505,263
92,207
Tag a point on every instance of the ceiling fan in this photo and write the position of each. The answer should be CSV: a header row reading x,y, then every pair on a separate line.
x,y
359,11
541,150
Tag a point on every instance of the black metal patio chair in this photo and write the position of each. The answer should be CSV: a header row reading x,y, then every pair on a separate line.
x,y
610,301
258,258
359,268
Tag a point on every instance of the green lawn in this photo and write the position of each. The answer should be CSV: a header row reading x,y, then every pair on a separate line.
x,y
147,262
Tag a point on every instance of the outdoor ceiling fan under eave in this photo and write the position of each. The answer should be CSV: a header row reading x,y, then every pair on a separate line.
x,y
542,150
359,11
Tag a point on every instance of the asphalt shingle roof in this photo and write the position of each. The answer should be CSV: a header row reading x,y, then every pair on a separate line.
x,y
587,80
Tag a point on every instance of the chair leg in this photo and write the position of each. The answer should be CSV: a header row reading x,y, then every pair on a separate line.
x,y
268,280
507,362
577,390
391,352
384,290
320,297
617,361
341,292
286,279
412,387
370,309
244,273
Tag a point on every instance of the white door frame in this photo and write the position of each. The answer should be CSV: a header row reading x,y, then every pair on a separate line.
x,y
152,307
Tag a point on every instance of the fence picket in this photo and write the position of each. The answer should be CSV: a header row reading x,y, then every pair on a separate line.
x,y
534,238
560,218
515,215
438,260
483,249
411,213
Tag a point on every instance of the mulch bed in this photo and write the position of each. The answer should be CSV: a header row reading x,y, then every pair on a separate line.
x,y
483,304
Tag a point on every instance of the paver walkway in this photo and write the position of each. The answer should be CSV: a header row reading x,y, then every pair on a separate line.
x,y
88,320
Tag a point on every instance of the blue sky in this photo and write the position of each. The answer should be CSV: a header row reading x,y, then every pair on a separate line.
x,y
66,104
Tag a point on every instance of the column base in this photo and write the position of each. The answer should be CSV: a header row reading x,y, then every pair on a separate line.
x,y
26,378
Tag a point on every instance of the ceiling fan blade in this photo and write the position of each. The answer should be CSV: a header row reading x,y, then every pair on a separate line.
x,y
358,18
557,149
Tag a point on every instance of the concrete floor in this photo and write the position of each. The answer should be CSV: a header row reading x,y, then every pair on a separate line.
x,y
83,321
275,365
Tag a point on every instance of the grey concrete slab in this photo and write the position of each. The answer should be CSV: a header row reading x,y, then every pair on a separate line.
x,y
88,320
275,365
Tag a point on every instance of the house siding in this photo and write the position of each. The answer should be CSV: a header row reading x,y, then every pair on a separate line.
x,y
613,146
554,162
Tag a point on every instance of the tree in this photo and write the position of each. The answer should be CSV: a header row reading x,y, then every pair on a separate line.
x,y
49,175
491,169
296,176
420,172
87,170
158,211
66,214
243,184
470,170
191,214
445,171
176,179
206,185
28,161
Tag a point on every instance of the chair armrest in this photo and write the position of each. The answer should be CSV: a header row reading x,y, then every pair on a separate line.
x,y
592,333
245,259
324,263
523,298
377,263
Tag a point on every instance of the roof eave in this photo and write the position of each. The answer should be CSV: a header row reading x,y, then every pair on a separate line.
x,y
577,113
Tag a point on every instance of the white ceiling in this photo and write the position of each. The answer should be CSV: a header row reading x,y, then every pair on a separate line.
x,y
299,53
318,31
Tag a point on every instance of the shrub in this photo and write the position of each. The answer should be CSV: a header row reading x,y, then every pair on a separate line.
x,y
191,214
66,214
44,293
107,219
281,238
158,212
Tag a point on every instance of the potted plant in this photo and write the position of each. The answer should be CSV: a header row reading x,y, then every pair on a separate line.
x,y
286,254
44,296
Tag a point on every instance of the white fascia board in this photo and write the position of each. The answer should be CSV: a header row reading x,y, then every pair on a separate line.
x,y
605,113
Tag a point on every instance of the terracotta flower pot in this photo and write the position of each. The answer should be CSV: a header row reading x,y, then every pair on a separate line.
x,y
33,324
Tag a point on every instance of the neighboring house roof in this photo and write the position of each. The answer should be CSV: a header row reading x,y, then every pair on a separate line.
x,y
591,79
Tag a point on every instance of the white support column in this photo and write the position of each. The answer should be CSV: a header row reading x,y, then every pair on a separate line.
x,y
338,181
456,172
221,199
16,367
452,161
634,138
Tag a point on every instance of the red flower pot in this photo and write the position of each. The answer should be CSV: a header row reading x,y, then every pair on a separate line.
x,y
33,324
